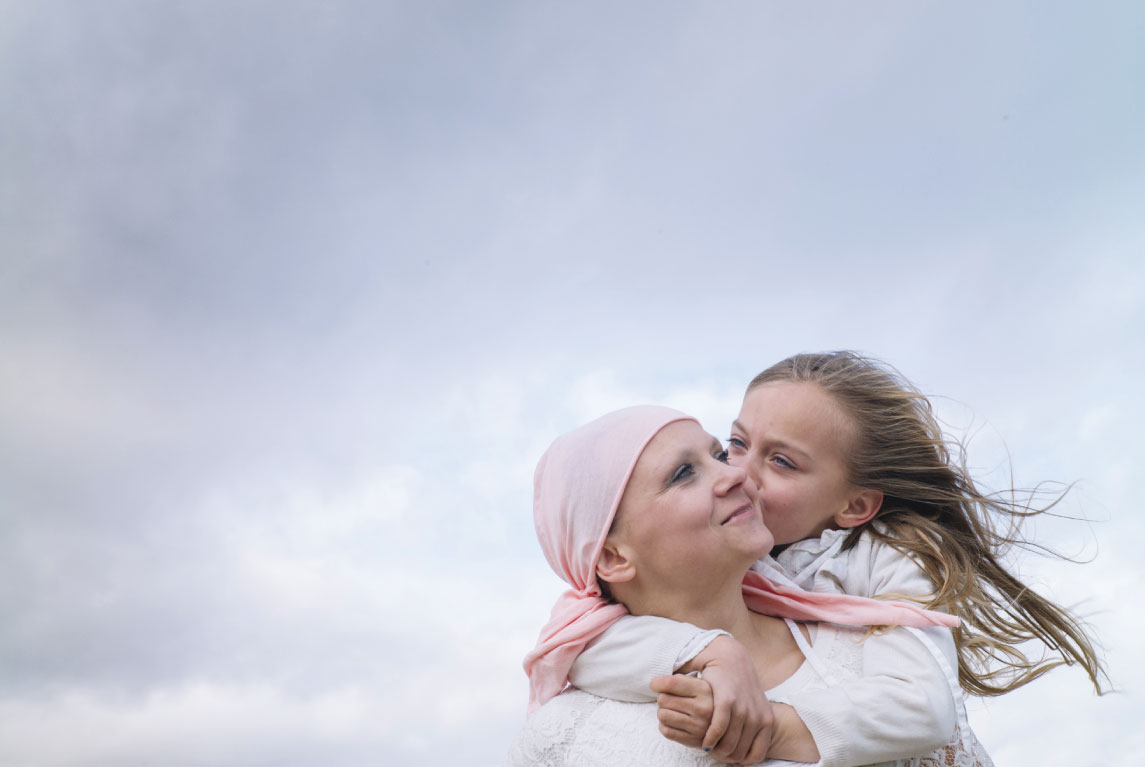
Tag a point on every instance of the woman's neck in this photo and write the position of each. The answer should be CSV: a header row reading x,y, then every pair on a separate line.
x,y
721,606
711,603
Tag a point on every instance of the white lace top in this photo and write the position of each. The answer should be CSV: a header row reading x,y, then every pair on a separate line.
x,y
577,729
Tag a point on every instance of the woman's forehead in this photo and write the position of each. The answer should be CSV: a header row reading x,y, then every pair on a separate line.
x,y
674,441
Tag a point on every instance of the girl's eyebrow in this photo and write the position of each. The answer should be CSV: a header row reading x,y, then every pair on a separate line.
x,y
791,448
777,442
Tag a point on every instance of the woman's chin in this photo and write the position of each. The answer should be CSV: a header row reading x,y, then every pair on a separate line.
x,y
760,543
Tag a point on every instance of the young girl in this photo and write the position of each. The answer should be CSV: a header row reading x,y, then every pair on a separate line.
x,y
856,477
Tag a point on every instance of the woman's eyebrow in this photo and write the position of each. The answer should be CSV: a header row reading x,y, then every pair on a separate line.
x,y
680,457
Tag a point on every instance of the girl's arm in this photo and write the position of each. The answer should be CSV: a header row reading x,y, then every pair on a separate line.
x,y
900,707
686,709
893,573
621,662
904,702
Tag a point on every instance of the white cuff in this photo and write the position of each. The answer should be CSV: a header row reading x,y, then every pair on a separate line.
x,y
697,645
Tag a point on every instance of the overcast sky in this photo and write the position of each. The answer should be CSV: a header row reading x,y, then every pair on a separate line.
x,y
294,294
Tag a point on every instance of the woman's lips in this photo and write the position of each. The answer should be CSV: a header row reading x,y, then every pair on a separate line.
x,y
741,513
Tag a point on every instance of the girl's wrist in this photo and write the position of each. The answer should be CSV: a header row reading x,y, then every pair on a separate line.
x,y
790,738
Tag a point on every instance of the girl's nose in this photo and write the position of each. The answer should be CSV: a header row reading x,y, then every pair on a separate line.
x,y
742,462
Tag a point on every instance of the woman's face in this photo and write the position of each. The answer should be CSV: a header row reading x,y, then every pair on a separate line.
x,y
685,508
792,440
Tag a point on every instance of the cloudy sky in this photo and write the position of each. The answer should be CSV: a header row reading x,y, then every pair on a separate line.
x,y
294,294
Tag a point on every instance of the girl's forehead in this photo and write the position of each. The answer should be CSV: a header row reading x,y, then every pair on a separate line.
x,y
797,409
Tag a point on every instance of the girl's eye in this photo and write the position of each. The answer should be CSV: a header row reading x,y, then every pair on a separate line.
x,y
783,462
682,473
737,443
722,456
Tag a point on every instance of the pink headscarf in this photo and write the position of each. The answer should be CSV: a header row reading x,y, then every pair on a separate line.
x,y
577,488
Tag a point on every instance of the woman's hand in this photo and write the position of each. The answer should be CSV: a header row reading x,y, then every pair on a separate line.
x,y
725,712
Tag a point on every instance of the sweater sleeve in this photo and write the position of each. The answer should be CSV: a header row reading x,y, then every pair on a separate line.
x,y
893,573
903,704
900,707
621,662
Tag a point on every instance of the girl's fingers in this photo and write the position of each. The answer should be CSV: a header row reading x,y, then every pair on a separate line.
x,y
680,736
675,703
730,741
680,685
742,748
721,718
682,722
759,746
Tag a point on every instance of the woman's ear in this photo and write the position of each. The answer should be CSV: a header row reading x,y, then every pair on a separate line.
x,y
861,508
614,564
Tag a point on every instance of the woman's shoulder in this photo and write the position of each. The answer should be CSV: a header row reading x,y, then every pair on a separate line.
x,y
551,730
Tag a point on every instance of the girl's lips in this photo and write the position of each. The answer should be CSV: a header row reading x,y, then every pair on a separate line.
x,y
743,511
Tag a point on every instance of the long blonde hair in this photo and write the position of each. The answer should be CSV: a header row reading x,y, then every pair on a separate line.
x,y
933,511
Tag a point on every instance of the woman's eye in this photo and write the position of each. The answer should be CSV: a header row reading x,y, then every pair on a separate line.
x,y
681,473
737,443
722,456
783,462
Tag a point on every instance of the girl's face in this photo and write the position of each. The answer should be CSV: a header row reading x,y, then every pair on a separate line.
x,y
686,511
792,440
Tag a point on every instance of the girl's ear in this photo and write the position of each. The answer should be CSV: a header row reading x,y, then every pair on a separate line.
x,y
861,508
614,565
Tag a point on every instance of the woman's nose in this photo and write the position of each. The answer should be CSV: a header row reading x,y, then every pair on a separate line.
x,y
730,477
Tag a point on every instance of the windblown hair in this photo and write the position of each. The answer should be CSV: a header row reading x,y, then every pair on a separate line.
x,y
933,511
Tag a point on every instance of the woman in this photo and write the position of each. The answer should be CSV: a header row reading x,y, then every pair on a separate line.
x,y
641,502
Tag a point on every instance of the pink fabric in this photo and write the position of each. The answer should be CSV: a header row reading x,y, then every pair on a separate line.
x,y
577,488
764,596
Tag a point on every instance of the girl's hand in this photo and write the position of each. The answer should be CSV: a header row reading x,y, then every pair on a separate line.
x,y
686,706
726,712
